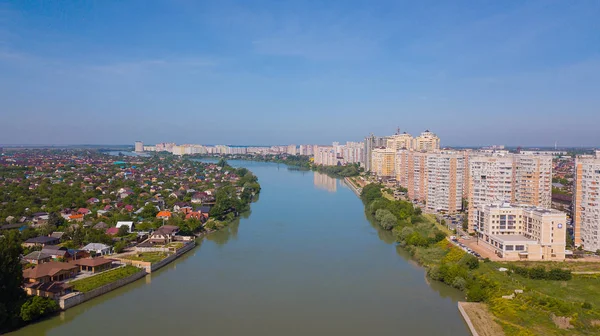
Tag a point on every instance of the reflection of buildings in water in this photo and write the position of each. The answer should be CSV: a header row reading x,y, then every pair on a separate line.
x,y
323,181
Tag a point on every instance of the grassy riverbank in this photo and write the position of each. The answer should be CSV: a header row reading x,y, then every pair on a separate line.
x,y
553,302
96,281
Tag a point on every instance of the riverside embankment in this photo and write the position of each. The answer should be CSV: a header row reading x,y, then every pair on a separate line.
x,y
306,260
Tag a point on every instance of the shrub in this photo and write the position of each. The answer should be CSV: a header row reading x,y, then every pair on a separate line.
x,y
459,283
586,305
469,261
36,307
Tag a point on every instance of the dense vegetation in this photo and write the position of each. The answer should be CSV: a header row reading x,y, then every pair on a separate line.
x,y
550,292
340,171
15,307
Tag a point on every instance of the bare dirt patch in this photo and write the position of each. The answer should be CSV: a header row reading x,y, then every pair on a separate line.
x,y
482,319
562,322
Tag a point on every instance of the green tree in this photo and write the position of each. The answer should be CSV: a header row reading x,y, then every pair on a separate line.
x,y
36,307
11,279
388,221
123,231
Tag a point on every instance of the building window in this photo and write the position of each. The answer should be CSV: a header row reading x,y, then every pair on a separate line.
x,y
520,247
509,247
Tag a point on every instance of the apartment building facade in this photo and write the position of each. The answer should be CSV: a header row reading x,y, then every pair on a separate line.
x,y
521,232
445,174
383,162
505,177
426,142
586,202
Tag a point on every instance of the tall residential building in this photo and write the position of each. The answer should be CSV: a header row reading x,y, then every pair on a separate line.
x,y
371,142
411,173
325,155
383,162
445,173
505,177
586,202
400,141
426,142
291,150
521,232
139,146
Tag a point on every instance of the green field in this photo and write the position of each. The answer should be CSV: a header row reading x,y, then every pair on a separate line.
x,y
151,257
96,281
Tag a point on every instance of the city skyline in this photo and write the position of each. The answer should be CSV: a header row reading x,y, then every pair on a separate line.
x,y
519,74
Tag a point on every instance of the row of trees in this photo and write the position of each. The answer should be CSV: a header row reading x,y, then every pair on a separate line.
x,y
342,171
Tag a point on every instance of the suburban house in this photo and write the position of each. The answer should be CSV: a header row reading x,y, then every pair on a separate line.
x,y
57,234
165,214
129,226
76,217
41,241
37,257
101,226
52,289
112,231
98,249
50,271
164,234
93,265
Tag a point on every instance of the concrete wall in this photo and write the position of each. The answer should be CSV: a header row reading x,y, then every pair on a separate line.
x,y
74,299
172,257
467,319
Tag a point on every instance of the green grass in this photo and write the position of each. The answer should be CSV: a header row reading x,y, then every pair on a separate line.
x,y
533,310
96,281
151,257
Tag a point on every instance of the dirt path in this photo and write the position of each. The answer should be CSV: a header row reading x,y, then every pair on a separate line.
x,y
482,319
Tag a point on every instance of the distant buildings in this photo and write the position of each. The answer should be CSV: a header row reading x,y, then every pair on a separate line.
x,y
292,150
139,146
586,202
326,155
518,232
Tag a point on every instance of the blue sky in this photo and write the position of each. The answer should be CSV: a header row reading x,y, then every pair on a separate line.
x,y
275,72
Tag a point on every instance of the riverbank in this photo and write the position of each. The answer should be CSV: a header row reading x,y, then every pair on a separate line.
x,y
523,298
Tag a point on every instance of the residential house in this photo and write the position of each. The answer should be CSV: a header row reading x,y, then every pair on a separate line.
x,y
98,249
52,289
112,231
56,251
164,234
76,217
93,265
41,241
165,214
57,234
37,257
101,226
129,226
50,271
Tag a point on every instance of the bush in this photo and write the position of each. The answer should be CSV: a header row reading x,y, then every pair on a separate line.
x,y
459,283
120,246
388,221
586,305
36,307
469,261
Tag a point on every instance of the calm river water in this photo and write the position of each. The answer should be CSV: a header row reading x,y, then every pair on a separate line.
x,y
306,261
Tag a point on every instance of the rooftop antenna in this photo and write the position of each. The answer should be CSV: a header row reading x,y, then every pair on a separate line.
x,y
555,145
398,130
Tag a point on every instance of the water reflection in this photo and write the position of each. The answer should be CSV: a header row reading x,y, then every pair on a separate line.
x,y
223,236
325,182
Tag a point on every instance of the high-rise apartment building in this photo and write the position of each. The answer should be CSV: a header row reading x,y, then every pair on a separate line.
x,y
400,141
383,162
139,146
426,142
521,232
326,156
371,142
505,177
445,173
292,150
586,202
411,173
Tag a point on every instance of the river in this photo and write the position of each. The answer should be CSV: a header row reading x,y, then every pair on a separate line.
x,y
305,261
